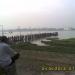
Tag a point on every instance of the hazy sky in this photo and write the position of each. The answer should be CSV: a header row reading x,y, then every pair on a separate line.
x,y
37,13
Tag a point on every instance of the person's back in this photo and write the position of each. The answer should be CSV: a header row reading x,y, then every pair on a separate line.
x,y
7,57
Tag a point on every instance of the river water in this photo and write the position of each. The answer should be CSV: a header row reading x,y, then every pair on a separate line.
x,y
61,34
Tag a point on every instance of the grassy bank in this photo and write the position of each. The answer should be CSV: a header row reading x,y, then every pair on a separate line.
x,y
59,46
33,57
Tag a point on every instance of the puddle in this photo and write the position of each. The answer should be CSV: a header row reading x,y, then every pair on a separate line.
x,y
39,43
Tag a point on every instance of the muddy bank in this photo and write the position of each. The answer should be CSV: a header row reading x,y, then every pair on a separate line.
x,y
31,62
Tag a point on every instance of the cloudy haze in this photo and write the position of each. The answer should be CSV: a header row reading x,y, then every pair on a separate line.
x,y
37,13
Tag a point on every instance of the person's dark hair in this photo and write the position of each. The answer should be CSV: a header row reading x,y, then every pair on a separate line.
x,y
4,39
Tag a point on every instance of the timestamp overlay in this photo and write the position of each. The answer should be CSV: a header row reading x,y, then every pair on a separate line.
x,y
58,68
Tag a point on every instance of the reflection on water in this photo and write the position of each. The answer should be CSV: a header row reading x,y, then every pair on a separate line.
x,y
66,34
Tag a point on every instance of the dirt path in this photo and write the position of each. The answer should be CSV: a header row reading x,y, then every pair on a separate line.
x,y
31,63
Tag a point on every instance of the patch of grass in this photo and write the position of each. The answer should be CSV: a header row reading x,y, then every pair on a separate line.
x,y
2,71
63,43
60,46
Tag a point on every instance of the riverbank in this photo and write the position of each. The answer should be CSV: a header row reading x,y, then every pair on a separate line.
x,y
34,57
57,53
31,62
55,45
